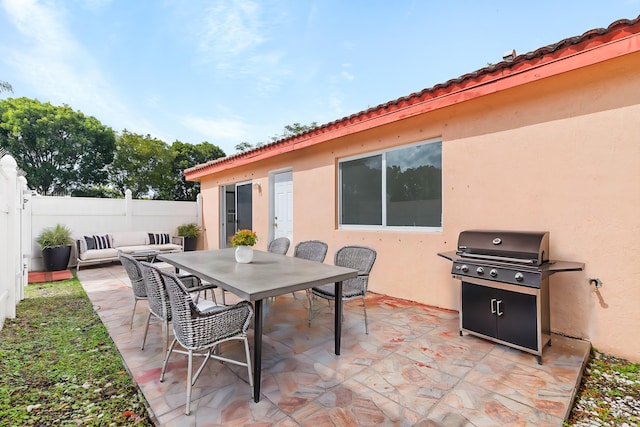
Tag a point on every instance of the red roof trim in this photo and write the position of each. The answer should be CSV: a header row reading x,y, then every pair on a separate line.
x,y
620,38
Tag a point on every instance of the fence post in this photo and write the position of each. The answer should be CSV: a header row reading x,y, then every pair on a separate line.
x,y
128,207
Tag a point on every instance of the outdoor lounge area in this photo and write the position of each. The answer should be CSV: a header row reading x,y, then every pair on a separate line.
x,y
413,368
540,147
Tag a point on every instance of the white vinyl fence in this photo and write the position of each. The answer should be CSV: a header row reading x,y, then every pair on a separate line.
x,y
23,216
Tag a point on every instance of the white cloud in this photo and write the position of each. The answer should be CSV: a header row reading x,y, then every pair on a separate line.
x,y
39,24
234,36
96,5
55,65
231,28
213,130
346,75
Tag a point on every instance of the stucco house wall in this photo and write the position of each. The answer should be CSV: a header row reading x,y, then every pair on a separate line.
x,y
554,150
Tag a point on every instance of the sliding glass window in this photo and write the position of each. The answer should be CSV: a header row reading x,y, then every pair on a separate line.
x,y
399,188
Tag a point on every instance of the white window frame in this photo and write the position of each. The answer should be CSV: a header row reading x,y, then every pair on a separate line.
x,y
384,225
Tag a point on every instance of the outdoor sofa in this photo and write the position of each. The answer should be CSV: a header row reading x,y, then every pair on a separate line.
x,y
104,247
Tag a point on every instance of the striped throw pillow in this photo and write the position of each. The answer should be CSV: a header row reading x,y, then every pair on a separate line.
x,y
102,242
91,242
159,238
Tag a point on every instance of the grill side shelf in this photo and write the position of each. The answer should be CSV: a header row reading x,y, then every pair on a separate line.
x,y
557,266
451,255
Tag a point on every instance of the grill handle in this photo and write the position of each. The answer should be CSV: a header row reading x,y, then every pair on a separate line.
x,y
500,258
495,307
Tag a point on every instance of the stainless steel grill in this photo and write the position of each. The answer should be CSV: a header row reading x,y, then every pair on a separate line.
x,y
505,286
518,257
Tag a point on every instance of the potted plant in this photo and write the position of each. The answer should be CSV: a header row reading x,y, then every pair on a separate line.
x,y
56,247
190,232
244,240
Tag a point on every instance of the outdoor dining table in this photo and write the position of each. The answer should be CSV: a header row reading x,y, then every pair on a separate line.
x,y
268,275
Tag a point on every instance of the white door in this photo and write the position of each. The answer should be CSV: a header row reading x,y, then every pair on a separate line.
x,y
282,223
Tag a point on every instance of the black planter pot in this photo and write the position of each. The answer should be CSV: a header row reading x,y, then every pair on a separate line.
x,y
56,258
190,243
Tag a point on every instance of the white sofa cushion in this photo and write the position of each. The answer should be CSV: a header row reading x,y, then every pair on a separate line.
x,y
82,245
129,238
99,254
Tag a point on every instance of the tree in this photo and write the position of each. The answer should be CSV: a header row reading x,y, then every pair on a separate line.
x,y
151,169
183,157
293,129
59,149
4,86
141,164
99,191
289,131
244,146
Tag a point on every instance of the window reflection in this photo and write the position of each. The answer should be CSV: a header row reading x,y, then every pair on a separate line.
x,y
414,186
413,181
361,195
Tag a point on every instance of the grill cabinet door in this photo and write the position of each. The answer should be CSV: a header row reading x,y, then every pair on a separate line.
x,y
497,313
518,323
476,309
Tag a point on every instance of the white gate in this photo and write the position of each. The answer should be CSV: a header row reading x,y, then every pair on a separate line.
x,y
13,268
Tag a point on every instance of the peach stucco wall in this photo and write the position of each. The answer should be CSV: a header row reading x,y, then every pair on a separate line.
x,y
561,154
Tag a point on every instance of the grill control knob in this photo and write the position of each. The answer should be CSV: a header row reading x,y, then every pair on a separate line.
x,y
493,272
480,271
464,268
519,277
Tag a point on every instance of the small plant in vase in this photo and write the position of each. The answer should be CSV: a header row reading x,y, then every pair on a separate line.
x,y
244,240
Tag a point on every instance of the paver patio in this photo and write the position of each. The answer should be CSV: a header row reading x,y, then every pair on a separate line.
x,y
412,369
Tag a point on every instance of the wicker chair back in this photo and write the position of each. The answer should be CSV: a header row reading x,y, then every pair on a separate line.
x,y
359,258
157,295
279,246
132,266
313,250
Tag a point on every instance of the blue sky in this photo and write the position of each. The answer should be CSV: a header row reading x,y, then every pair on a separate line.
x,y
231,71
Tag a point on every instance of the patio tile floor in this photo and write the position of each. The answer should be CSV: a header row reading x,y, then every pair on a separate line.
x,y
412,369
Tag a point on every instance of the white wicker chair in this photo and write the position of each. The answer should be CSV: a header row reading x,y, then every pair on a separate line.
x,y
197,330
359,258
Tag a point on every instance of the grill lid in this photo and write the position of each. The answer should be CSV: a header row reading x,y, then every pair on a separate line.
x,y
523,247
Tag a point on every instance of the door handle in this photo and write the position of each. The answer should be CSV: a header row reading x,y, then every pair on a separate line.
x,y
493,306
498,312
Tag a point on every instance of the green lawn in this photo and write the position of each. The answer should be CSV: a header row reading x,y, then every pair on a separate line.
x,y
60,367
